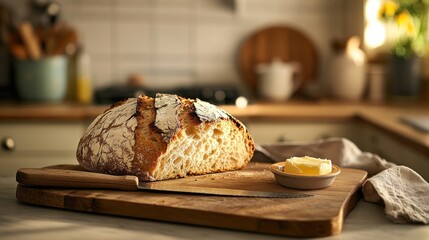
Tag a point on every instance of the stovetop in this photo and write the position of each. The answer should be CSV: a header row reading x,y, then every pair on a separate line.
x,y
218,95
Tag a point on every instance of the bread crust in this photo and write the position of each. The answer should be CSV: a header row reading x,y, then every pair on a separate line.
x,y
142,149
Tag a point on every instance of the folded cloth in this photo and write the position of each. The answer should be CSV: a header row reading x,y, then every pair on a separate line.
x,y
404,192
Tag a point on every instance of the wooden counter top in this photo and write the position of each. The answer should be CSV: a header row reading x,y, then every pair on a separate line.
x,y
291,110
54,112
384,117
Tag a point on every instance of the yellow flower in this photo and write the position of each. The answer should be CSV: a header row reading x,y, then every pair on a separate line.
x,y
388,9
410,27
405,21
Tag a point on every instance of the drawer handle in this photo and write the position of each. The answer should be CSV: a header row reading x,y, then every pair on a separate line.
x,y
8,144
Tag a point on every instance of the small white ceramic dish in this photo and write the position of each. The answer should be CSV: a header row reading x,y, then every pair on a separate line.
x,y
303,181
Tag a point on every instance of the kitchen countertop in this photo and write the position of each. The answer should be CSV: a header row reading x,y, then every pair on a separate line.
x,y
366,221
385,117
23,221
293,110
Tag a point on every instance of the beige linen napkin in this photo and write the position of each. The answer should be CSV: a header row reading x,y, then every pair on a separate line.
x,y
404,192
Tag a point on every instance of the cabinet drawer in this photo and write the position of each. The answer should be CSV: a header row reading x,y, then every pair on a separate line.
x,y
43,136
272,132
389,148
11,161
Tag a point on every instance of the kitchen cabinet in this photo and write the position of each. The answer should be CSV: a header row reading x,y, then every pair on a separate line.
x,y
264,132
38,144
371,139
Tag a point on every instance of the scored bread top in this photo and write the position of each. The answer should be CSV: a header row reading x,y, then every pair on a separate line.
x,y
167,108
164,137
110,135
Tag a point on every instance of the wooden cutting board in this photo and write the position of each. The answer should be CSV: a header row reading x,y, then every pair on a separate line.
x,y
317,216
282,42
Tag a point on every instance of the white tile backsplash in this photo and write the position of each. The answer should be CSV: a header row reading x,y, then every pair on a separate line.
x,y
185,42
215,10
169,80
92,9
96,36
176,7
133,10
168,63
216,73
290,7
216,39
133,5
133,38
102,71
126,66
172,39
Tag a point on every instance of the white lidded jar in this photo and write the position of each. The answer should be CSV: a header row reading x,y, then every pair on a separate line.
x,y
347,78
278,80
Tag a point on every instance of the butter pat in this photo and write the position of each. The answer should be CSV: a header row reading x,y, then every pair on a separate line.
x,y
308,166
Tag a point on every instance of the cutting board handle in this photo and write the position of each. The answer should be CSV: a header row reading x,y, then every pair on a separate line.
x,y
74,179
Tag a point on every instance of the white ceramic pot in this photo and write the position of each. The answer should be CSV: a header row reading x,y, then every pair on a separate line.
x,y
277,80
347,80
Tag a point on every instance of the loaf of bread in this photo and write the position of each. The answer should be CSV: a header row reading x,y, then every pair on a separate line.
x,y
163,138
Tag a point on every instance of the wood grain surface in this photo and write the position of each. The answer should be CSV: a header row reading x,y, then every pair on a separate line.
x,y
320,215
282,42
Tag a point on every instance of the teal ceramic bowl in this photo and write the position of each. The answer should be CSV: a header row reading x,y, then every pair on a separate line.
x,y
42,80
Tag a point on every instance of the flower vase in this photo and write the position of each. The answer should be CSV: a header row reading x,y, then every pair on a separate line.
x,y
404,78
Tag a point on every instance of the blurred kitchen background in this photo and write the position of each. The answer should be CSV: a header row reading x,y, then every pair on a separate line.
x,y
306,70
164,45
271,50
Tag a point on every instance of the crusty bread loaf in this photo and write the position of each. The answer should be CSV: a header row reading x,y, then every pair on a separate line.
x,y
164,137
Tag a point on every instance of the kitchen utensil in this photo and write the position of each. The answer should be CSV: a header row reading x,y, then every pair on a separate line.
x,y
303,181
282,42
82,179
321,215
18,51
30,39
60,38
278,80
